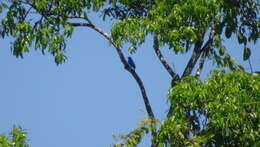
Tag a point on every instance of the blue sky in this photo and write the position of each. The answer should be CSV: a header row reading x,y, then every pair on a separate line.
x,y
84,101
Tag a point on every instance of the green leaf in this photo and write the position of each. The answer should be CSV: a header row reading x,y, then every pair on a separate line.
x,y
228,32
132,49
241,38
222,50
85,15
246,54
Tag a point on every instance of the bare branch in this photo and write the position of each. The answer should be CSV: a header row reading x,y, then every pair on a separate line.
x,y
198,50
126,65
193,60
201,62
28,11
79,24
205,51
161,58
118,49
81,17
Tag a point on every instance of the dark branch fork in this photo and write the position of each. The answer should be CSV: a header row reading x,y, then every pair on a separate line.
x,y
193,60
198,50
187,71
204,51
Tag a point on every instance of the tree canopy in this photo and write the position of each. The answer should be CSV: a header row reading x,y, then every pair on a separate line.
x,y
220,111
181,25
223,110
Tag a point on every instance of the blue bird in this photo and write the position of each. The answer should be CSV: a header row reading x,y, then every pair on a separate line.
x,y
131,63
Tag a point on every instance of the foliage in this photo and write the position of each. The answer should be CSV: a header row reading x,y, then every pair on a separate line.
x,y
221,111
42,24
224,110
135,137
181,25
17,138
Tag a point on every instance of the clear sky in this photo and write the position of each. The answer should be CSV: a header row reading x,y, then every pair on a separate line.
x,y
83,102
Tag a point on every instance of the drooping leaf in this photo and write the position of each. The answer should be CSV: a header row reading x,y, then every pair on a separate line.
x,y
246,53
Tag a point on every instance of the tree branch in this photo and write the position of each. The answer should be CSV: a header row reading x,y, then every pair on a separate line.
x,y
124,62
134,74
118,49
162,59
119,52
193,60
198,50
80,24
201,62
79,17
205,51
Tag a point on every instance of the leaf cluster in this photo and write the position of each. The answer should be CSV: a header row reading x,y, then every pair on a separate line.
x,y
42,24
181,25
17,138
122,9
223,110
135,136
